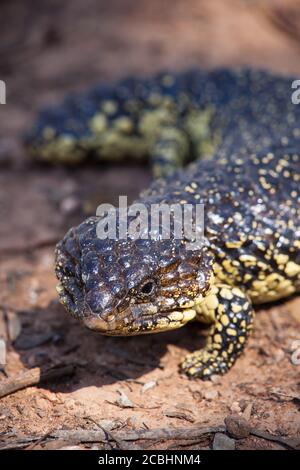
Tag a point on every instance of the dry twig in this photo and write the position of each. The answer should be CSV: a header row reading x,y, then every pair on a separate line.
x,y
88,436
34,377
192,434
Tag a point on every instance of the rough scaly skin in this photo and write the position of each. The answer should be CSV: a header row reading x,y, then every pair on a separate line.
x,y
250,190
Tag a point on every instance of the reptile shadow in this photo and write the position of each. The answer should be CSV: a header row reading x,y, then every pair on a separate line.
x,y
49,336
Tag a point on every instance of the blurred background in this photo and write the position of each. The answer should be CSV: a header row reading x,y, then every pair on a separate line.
x,y
49,47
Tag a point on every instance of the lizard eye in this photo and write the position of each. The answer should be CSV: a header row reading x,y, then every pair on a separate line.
x,y
148,288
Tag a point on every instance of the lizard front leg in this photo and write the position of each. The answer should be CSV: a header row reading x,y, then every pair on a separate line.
x,y
168,151
231,312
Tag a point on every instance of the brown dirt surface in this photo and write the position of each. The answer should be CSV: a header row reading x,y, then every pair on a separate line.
x,y
51,47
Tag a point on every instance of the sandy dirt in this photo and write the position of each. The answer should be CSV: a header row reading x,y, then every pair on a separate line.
x,y
49,48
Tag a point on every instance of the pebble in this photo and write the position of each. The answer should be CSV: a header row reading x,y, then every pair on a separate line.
x,y
69,205
124,402
2,352
5,413
223,442
216,379
132,422
235,407
110,425
237,426
51,397
278,355
148,386
41,403
248,411
243,404
14,326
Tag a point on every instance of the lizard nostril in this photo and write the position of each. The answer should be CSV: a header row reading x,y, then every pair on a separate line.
x,y
111,317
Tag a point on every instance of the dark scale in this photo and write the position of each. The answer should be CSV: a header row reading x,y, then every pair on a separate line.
x,y
243,131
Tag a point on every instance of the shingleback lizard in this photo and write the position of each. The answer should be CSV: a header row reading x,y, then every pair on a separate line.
x,y
245,122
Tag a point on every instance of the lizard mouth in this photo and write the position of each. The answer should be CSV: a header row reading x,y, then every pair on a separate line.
x,y
133,320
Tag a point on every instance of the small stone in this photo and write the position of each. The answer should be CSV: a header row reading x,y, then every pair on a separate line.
x,y
14,326
237,426
5,413
110,425
124,402
148,385
211,395
69,205
49,396
41,403
216,379
278,355
223,442
2,352
132,422
243,404
235,407
248,411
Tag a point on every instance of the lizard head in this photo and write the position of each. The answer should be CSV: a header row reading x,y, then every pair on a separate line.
x,y
127,287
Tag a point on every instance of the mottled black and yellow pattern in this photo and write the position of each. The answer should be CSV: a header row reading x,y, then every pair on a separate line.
x,y
245,121
167,119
